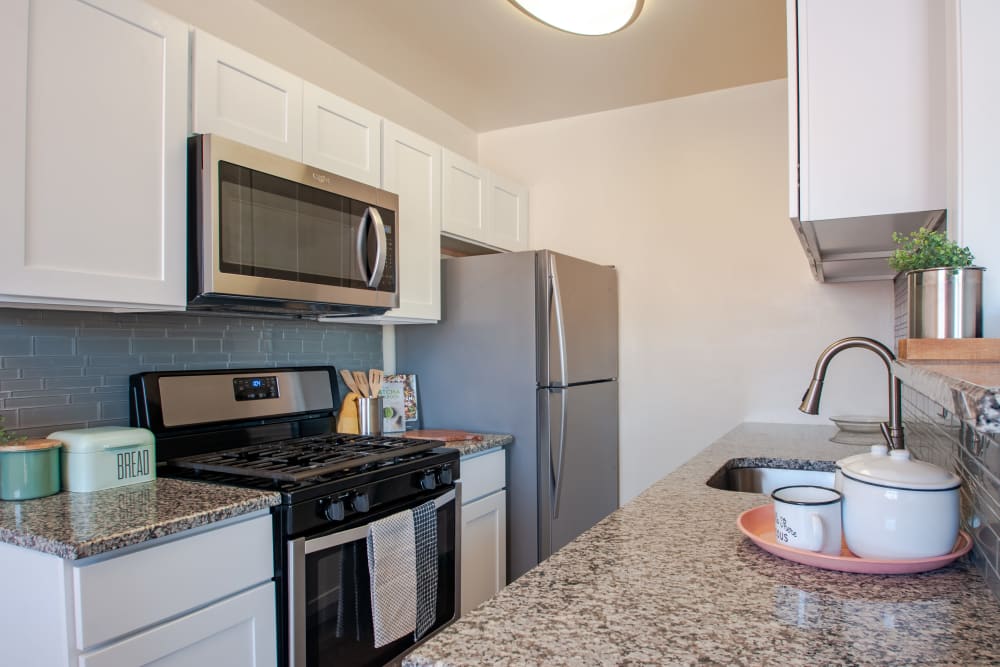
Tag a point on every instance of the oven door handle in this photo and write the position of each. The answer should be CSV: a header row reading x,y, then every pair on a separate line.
x,y
360,532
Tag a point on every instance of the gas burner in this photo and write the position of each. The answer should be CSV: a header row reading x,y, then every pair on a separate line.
x,y
306,458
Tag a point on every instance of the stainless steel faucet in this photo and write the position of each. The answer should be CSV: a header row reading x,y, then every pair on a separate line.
x,y
892,430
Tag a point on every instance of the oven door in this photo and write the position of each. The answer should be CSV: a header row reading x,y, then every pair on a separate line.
x,y
329,600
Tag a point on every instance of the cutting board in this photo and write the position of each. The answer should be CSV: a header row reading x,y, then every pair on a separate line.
x,y
950,349
443,435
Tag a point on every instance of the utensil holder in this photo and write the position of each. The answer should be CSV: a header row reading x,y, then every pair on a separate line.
x,y
370,416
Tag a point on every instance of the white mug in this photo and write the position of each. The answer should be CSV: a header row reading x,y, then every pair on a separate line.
x,y
808,517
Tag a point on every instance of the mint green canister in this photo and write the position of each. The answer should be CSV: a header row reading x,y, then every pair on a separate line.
x,y
29,469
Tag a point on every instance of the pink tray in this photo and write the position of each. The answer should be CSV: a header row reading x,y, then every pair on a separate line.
x,y
758,525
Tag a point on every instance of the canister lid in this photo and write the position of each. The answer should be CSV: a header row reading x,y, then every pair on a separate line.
x,y
30,445
97,439
896,469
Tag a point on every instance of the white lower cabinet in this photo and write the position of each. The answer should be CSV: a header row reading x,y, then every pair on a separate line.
x,y
238,631
206,598
484,528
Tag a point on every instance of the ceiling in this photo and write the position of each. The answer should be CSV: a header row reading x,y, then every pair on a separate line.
x,y
490,66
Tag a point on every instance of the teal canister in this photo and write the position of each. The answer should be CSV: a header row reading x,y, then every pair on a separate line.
x,y
29,469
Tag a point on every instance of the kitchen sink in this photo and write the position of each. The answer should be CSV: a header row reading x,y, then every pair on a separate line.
x,y
745,476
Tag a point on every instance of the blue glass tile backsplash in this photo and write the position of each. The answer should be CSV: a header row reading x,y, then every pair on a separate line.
x,y
62,369
937,435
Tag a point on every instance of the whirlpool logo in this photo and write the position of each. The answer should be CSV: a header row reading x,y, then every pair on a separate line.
x,y
320,177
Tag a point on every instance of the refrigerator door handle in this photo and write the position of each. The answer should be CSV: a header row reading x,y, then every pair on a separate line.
x,y
560,322
557,458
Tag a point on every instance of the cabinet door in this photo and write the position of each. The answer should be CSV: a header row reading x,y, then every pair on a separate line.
x,y
244,98
484,549
94,177
237,632
464,192
340,137
870,107
508,214
412,169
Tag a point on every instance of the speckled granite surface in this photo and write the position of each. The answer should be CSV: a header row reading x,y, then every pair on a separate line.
x,y
78,525
669,579
971,389
489,441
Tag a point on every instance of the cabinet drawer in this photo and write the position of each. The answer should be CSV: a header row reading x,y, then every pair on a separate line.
x,y
239,631
483,474
120,595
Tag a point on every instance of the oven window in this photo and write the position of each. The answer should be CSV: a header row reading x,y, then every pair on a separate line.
x,y
271,227
338,601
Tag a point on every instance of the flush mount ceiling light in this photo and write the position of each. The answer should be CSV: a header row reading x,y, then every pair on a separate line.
x,y
583,17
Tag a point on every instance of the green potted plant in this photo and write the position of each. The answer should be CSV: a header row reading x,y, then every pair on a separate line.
x,y
29,468
944,289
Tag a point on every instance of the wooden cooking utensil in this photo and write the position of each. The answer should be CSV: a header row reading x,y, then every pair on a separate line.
x,y
361,380
349,380
375,381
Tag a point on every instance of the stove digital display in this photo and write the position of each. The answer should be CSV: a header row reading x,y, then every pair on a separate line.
x,y
255,388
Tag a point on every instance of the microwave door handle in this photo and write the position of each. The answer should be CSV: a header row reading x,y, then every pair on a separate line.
x,y
361,247
381,246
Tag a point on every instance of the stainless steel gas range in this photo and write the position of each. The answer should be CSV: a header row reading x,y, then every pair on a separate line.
x,y
271,428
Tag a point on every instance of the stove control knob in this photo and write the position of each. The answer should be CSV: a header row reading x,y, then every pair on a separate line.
x,y
428,482
444,475
335,510
360,503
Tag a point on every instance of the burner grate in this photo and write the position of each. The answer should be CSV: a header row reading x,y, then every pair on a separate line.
x,y
304,458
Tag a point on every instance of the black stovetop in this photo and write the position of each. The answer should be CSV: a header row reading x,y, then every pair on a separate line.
x,y
301,459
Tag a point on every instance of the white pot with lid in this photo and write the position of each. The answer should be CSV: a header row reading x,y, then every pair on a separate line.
x,y
896,507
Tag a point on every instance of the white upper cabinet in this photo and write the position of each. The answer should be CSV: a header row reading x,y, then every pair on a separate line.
x,y
479,206
92,175
508,217
465,190
340,137
411,168
867,127
244,98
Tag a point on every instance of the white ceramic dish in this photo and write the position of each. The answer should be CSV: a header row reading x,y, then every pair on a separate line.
x,y
860,439
898,508
858,423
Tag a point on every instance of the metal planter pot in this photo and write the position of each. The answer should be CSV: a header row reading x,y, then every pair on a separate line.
x,y
945,303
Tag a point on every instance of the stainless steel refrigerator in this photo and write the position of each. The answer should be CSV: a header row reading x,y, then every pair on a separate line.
x,y
528,345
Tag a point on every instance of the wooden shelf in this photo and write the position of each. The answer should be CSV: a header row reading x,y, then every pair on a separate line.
x,y
950,349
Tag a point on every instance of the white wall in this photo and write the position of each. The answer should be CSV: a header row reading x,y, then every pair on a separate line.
x,y
721,320
256,29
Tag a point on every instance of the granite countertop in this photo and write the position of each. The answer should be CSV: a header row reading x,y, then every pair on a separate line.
x,y
486,442
669,579
970,388
78,525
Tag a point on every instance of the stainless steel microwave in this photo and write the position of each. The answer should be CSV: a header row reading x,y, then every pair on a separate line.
x,y
269,235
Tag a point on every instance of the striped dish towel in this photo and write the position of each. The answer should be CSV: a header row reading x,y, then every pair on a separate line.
x,y
425,533
392,570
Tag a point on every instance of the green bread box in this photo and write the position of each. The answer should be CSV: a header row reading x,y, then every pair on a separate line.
x,y
106,457
29,469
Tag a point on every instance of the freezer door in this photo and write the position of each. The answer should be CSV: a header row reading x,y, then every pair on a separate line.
x,y
578,461
578,320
